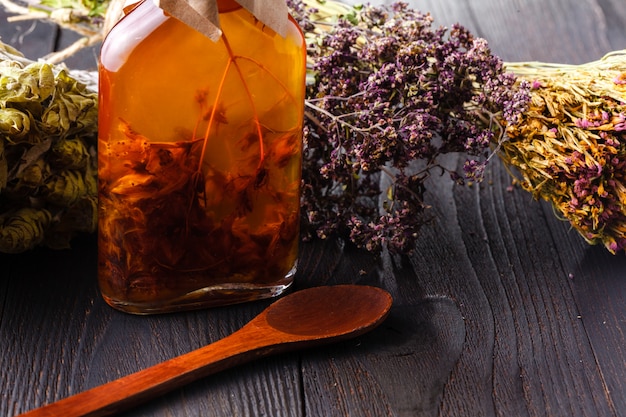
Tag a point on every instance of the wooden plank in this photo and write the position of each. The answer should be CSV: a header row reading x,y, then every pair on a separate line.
x,y
33,38
59,338
400,370
84,59
533,308
37,38
598,282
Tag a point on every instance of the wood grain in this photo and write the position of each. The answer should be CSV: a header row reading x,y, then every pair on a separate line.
x,y
503,310
301,320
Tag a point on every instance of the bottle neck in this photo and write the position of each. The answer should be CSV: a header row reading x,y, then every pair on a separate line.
x,y
225,6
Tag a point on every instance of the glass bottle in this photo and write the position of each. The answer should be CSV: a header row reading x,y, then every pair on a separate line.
x,y
199,153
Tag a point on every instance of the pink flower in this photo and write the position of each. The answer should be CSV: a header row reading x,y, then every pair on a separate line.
x,y
582,123
620,79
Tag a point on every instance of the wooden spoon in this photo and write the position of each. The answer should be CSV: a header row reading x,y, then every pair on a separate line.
x,y
303,319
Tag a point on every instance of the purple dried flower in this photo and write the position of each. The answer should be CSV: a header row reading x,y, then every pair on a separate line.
x,y
389,94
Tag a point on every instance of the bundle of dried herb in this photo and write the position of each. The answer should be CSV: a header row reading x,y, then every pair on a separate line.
x,y
569,148
388,95
48,124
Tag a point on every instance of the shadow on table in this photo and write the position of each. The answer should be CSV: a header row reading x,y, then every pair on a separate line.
x,y
398,369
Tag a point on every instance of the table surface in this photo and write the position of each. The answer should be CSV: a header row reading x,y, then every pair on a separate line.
x,y
502,310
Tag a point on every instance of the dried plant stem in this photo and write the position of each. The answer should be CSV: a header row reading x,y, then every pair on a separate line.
x,y
71,19
12,7
233,59
220,88
60,56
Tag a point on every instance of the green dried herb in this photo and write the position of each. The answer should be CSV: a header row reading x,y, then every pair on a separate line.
x,y
48,128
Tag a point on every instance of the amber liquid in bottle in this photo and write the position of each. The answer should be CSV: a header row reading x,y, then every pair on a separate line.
x,y
199,161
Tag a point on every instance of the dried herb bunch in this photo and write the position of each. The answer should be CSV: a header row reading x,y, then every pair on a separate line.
x,y
569,148
388,95
48,124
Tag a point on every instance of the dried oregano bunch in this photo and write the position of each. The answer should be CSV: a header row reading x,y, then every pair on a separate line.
x,y
569,148
388,95
48,125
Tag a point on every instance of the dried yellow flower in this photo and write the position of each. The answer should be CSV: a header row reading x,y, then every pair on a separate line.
x,y
23,229
569,147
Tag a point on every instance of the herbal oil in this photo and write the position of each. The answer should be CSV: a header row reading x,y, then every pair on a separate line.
x,y
199,157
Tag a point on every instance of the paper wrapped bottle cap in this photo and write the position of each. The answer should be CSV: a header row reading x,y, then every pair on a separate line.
x,y
203,15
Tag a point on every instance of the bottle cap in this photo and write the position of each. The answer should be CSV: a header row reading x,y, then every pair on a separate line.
x,y
203,16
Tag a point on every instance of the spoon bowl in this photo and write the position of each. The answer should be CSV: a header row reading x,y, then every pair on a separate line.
x,y
303,319
327,313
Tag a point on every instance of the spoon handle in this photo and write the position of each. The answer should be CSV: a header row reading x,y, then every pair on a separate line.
x,y
134,389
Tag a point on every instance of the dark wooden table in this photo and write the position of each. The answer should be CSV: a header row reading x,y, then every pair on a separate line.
x,y
502,311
